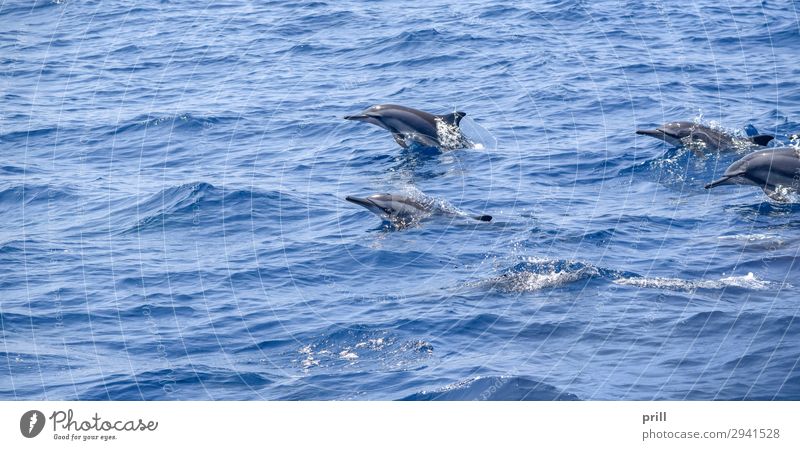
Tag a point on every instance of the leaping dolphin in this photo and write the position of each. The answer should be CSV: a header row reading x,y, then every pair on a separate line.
x,y
683,132
775,171
402,210
409,125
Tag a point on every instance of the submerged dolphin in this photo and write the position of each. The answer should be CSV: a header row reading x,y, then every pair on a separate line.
x,y
402,210
775,171
409,125
681,132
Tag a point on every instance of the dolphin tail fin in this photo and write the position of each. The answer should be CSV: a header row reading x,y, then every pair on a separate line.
x,y
454,118
761,139
483,218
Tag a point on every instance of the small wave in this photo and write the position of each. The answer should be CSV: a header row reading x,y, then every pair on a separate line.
x,y
170,202
671,168
750,237
13,246
23,135
498,388
28,8
361,345
196,203
184,121
15,169
502,12
169,383
748,281
13,196
406,38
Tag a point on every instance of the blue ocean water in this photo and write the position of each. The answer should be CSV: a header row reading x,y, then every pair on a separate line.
x,y
174,225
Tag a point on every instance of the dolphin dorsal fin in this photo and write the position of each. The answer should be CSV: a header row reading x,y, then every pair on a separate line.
x,y
453,118
761,139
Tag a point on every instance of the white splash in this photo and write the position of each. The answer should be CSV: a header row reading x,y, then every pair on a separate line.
x,y
309,360
784,194
749,237
548,275
372,344
450,136
749,281
348,355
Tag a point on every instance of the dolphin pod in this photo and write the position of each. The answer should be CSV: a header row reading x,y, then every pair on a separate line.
x,y
411,126
776,171
682,132
402,210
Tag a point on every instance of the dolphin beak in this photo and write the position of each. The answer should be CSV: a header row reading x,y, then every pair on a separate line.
x,y
356,117
653,133
724,180
359,201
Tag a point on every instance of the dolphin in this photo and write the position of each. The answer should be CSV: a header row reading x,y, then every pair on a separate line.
x,y
409,125
683,132
402,210
775,171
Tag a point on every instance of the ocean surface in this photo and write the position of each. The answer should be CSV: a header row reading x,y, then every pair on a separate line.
x,y
173,223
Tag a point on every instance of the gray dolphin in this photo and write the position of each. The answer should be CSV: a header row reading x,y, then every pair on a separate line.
x,y
681,132
402,210
775,171
409,125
